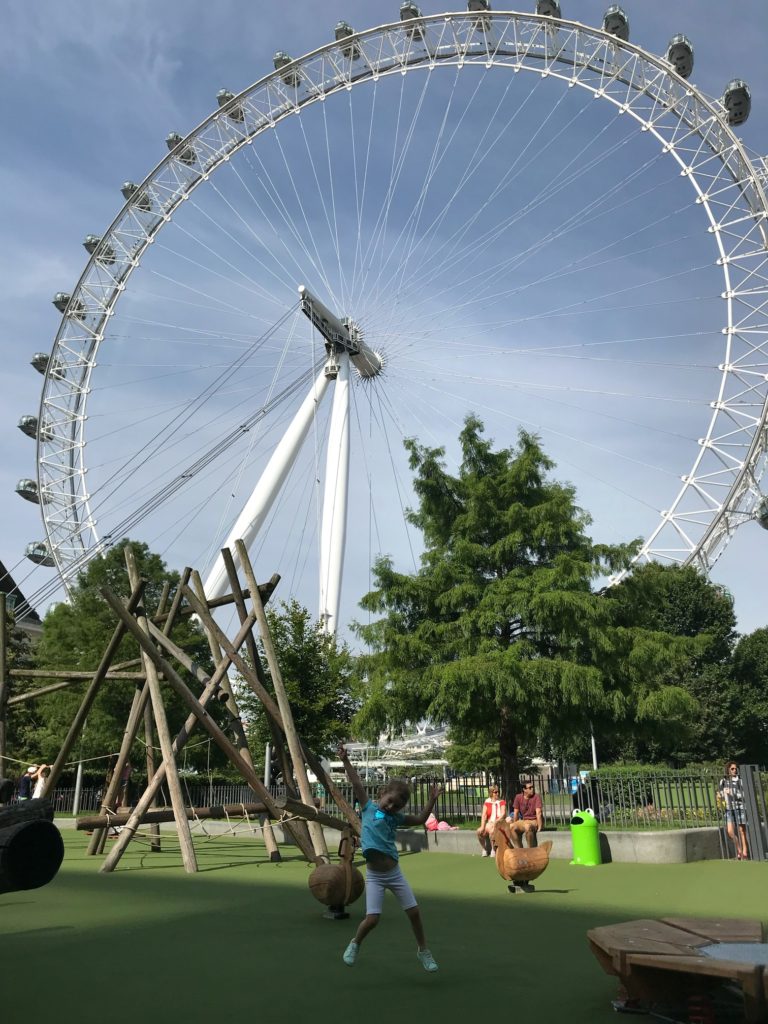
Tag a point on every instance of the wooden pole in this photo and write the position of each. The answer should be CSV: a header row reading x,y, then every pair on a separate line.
x,y
235,720
163,732
90,695
254,677
149,730
198,710
253,653
291,736
275,723
210,688
20,698
73,677
163,814
217,602
4,681
135,718
149,747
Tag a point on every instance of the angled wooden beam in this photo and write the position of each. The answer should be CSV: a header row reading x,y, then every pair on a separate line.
x,y
197,709
91,693
161,724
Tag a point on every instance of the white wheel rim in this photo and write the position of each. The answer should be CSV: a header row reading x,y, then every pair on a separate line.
x,y
722,487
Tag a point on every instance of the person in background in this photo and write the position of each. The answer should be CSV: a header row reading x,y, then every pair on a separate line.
x,y
730,797
494,810
26,782
40,777
527,816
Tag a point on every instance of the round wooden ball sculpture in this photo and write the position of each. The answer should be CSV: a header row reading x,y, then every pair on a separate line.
x,y
336,885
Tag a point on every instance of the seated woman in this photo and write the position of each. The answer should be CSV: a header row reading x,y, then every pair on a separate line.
x,y
494,810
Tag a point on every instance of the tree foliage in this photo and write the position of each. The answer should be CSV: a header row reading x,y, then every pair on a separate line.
x,y
500,632
750,681
681,601
318,674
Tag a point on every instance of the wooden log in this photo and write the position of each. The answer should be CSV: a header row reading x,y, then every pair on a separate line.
x,y
135,717
311,813
27,810
31,847
265,589
73,675
161,814
242,613
90,695
289,727
188,856
195,707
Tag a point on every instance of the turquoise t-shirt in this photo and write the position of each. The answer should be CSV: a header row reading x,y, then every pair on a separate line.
x,y
379,830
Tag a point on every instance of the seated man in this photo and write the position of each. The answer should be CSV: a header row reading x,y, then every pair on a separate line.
x,y
527,816
494,810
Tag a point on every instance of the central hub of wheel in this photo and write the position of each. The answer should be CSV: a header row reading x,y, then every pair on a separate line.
x,y
340,336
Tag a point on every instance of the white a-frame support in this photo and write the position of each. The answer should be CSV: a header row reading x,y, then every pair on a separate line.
x,y
343,344
335,500
256,509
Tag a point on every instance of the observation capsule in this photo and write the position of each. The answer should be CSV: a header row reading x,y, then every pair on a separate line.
x,y
480,7
616,22
548,8
737,101
186,154
762,513
409,11
28,490
343,31
282,60
38,553
680,55
107,254
28,425
40,361
141,201
224,97
64,302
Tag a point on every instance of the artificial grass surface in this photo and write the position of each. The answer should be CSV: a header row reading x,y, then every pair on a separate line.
x,y
243,940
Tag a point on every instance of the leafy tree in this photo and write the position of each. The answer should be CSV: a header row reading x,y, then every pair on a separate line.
x,y
75,635
472,751
500,632
318,677
681,601
750,679
18,717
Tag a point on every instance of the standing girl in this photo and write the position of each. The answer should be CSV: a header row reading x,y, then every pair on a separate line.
x,y
380,823
731,796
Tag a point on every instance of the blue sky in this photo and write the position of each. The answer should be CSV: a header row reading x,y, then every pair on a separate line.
x,y
93,89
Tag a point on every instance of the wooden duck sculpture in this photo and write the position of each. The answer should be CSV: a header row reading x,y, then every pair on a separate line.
x,y
519,865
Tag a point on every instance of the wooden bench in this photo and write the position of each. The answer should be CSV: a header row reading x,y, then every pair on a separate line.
x,y
661,961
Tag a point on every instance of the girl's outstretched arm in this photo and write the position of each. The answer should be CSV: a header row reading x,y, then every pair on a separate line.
x,y
421,817
355,780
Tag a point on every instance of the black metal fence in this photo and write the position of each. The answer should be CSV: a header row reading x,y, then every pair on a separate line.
x,y
627,800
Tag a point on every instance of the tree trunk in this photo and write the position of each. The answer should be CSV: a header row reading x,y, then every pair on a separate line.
x,y
510,762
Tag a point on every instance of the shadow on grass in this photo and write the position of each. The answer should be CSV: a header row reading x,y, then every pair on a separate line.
x,y
252,944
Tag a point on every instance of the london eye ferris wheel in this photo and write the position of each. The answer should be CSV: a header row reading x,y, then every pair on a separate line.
x,y
410,223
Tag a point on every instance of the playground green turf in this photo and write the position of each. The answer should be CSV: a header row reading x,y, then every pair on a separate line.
x,y
243,940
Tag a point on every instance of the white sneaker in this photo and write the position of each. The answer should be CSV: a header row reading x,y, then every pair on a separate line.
x,y
485,854
427,960
350,954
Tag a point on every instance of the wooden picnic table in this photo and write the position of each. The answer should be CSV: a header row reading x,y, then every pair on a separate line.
x,y
660,961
